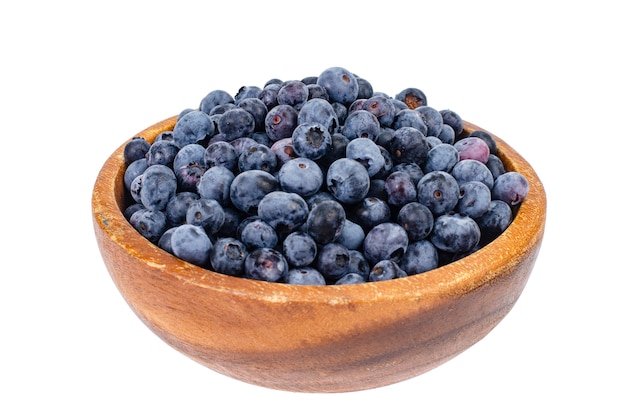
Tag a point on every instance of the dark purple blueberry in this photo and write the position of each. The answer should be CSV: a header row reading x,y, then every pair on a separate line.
x,y
383,108
151,224
232,220
257,109
246,92
135,149
412,97
325,221
242,144
452,119
256,233
228,256
206,213
510,187
215,184
337,150
488,138
447,135
320,111
188,154
416,219
257,157
347,180
441,158
420,256
176,209
249,187
294,93
305,276
411,168
365,88
386,241
341,110
351,279
495,165
472,170
284,211
158,185
236,123
377,189
162,153
472,148
191,243
193,127
385,270
342,86
474,199
299,249
188,176
222,154
309,80
439,191
280,122
311,140
332,261
283,148
400,189
361,124
136,168
494,221
165,241
301,176
317,92
366,152
455,233
358,263
269,95
409,118
432,118
408,145
352,235
213,99
370,212
266,264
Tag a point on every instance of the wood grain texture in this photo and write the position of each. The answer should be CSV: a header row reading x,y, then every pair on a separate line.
x,y
317,338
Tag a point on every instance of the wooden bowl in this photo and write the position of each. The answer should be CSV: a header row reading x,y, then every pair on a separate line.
x,y
317,338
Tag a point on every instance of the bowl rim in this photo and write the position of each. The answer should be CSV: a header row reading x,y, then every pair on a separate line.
x,y
456,278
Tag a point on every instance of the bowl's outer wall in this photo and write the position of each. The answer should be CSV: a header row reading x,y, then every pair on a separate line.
x,y
312,338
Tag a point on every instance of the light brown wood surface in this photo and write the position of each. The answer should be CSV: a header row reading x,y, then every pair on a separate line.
x,y
318,338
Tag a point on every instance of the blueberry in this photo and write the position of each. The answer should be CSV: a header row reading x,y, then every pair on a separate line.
x,y
265,264
386,241
222,154
385,270
294,93
236,123
232,220
400,189
135,149
165,241
320,111
455,233
439,191
213,99
228,256
256,233
192,244
311,140
332,261
454,120
365,88
441,158
151,224
305,276
414,170
347,180
408,145
206,213
257,109
337,150
447,134
341,110
188,176
358,263
220,109
301,176
365,151
280,122
495,165
283,148
131,209
361,124
135,188
352,235
193,127
257,157
249,187
416,219
494,221
342,86
432,118
351,279
488,138
511,187
162,153
370,212
269,95
420,256
472,170
409,118
472,148
383,108
190,153
474,199
177,206
299,249
246,92
325,221
412,97
135,169
215,184
158,185
284,211
316,92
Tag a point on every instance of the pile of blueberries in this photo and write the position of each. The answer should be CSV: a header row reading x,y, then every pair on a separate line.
x,y
319,181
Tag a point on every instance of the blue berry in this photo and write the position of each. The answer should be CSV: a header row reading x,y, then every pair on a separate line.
x,y
305,276
409,118
135,169
365,151
455,233
311,140
162,152
400,189
332,261
236,123
257,157
472,148
439,191
206,213
386,241
352,235
269,95
494,221
256,233
151,224
135,149
488,138
228,256
383,108
257,109
320,111
293,93
301,176
474,199
408,145
299,249
511,187
215,184
432,118
416,219
472,170
265,264
441,158
347,180
420,256
158,185
385,270
351,279
249,187
370,212
361,124
246,92
453,120
193,127
177,206
325,221
188,176
412,97
213,99
190,153
341,85
192,244
284,211
280,122
358,263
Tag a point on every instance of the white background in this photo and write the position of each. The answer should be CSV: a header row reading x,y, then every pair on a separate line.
x,y
79,78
